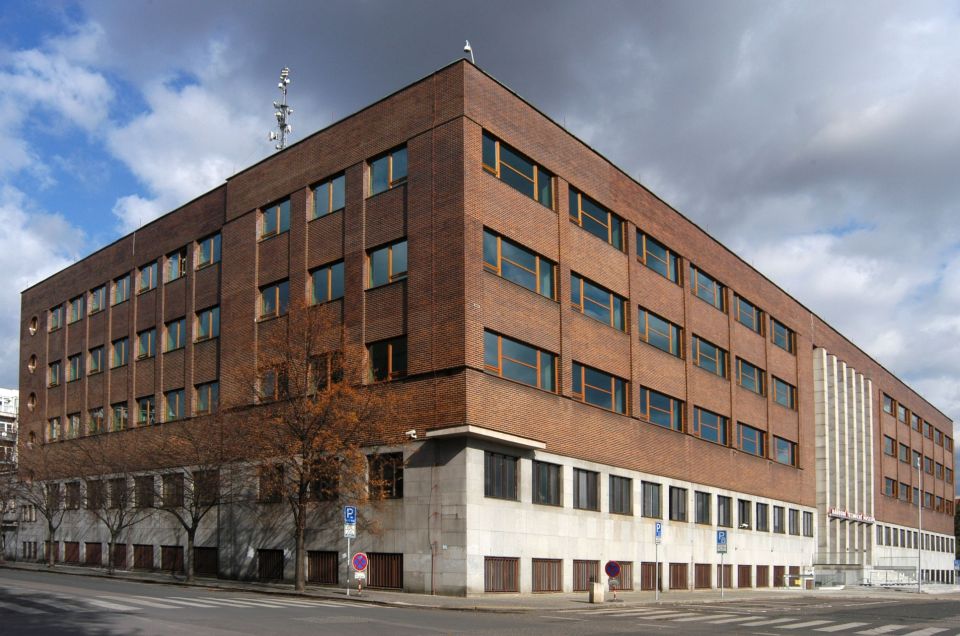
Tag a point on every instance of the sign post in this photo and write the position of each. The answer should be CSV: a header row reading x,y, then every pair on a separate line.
x,y
359,563
349,530
612,568
721,550
657,538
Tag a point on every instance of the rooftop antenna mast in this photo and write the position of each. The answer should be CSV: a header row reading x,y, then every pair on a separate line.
x,y
283,112
468,49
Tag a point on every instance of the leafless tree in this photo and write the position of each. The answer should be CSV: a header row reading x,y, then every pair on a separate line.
x,y
40,468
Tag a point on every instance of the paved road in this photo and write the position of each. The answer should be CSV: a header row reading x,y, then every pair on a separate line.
x,y
50,603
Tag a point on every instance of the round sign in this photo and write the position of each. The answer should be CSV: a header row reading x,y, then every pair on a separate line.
x,y
612,568
359,561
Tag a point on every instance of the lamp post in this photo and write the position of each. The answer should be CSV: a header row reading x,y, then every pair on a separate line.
x,y
919,519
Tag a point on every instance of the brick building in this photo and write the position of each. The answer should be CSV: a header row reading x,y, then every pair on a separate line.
x,y
585,362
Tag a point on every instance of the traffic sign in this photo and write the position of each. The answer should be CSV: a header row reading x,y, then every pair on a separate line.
x,y
721,541
349,531
359,561
658,532
360,576
612,568
350,515
956,564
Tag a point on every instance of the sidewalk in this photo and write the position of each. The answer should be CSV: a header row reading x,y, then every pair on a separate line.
x,y
485,602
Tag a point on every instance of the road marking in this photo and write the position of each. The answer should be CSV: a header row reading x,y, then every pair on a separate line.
x,y
802,625
228,602
108,605
701,617
59,605
644,614
883,629
562,618
144,602
732,620
178,602
926,632
22,609
838,628
772,621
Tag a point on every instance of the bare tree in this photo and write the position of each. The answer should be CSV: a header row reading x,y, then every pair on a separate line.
x,y
40,467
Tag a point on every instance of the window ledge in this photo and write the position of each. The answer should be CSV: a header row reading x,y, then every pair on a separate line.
x,y
387,284
391,188
471,430
330,213
263,239
206,265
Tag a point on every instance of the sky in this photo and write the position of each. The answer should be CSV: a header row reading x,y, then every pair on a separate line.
x,y
819,140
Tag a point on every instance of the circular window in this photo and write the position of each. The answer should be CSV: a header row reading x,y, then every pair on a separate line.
x,y
34,323
32,364
32,401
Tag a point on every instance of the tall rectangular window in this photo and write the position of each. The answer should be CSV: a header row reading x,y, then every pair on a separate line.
x,y
208,324
275,218
53,429
763,517
778,519
517,264
53,374
702,507
520,362
600,304
888,404
784,393
783,336
388,170
274,299
659,332
678,504
95,418
55,318
586,489
743,514
119,416
547,479
176,334
176,408
794,519
651,499
597,220
387,264
500,476
707,289
709,356
176,264
388,359
598,388
146,344
724,511
658,257
621,495
750,377
207,398
326,283
517,171
95,361
208,251
121,352
329,196
75,308
904,450
74,426
661,409
146,410
386,475
121,289
147,277
710,426
74,368
751,440
98,299
785,451
748,315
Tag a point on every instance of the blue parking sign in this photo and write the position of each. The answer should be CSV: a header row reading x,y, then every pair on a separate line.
x,y
350,515
721,537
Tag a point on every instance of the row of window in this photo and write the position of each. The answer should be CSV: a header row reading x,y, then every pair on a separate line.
x,y
502,475
904,538
904,492
903,452
906,416
115,493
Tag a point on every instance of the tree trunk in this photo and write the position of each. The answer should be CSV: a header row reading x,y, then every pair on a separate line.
x,y
188,557
299,574
110,555
51,532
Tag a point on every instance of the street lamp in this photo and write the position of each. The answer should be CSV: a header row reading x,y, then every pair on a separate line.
x,y
919,518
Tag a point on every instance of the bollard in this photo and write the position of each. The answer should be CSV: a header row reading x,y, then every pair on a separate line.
x,y
596,592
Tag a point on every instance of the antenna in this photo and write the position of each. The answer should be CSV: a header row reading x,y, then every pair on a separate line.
x,y
282,113
467,49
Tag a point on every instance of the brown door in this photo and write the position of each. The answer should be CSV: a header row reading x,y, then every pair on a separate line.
x,y
702,580
142,557
71,551
624,580
547,575
743,576
763,576
93,554
794,576
120,555
779,572
648,576
678,576
727,573
206,561
323,567
501,574
171,558
585,572
270,565
385,570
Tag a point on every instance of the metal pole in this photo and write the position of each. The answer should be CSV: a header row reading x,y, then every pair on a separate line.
x,y
919,521
656,584
348,566
721,575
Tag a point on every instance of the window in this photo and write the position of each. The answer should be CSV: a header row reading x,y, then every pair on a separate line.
x,y
387,264
176,334
783,336
651,499
794,519
586,488
902,414
118,493
888,404
175,405
388,359
326,283
938,437
707,289
621,495
324,370
904,453
546,483
270,486
710,426
98,299
146,344
743,514
73,495
750,377
598,303
121,289
95,498
95,361
709,357
146,410
208,251
903,491
55,318
658,257
53,429
143,491
928,500
172,493
76,309
386,475
701,502
779,525
678,504
329,196
274,299
928,465
519,362
272,385
500,476
763,517
118,418
388,170
661,409
724,511
121,352
95,419
751,440
948,475
927,430
659,332
275,218
888,445
53,374
517,171
74,426
147,277
517,264
748,315
916,459
889,487
785,451
208,324
176,264
596,219
915,421
599,388
74,368
784,394
206,484
207,398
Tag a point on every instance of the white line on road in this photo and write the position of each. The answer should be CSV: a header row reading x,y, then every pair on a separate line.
x,y
144,602
840,628
772,621
117,607
883,629
926,632
22,609
229,602
60,606
733,620
178,602
802,625
701,617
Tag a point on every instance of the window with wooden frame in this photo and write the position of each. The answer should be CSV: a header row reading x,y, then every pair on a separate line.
x,y
707,289
889,444
55,318
751,440
938,437
621,495
387,264
709,357
763,517
146,344
916,457
275,218
386,475
147,277
509,260
388,170
750,377
948,443
600,389
53,429
927,430
660,409
586,489
272,385
176,335
710,426
903,452
120,416
274,299
903,414
677,510
782,336
208,251
53,374
326,283
748,314
74,426
658,257
146,410
597,220
95,361
928,465
329,196
600,304
938,473
143,487
171,492
388,359
75,307
547,481
889,487
784,393
207,325
121,289
176,264
176,406
500,473
121,352
724,511
650,498
98,299
888,404
517,171
96,421
784,451
519,362
915,421
74,368
660,332
324,370
206,398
